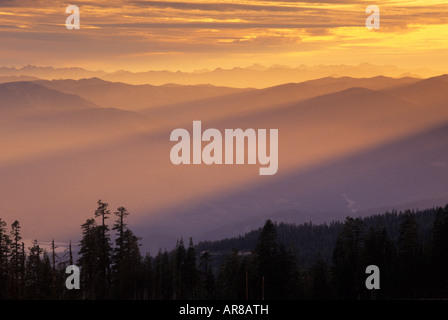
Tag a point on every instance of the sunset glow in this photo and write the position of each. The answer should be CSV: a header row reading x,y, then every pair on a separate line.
x,y
189,35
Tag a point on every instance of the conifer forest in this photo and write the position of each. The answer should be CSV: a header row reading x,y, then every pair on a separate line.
x,y
278,261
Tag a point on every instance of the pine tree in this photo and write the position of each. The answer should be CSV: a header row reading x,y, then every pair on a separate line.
x,y
163,277
289,278
266,254
207,277
104,257
379,250
126,258
33,270
46,277
158,277
5,243
16,262
439,254
148,278
231,281
178,260
70,253
345,268
90,250
319,280
190,275
129,266
408,255
273,264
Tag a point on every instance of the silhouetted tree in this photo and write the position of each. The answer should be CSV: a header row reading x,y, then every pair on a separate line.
x,y
33,272
439,254
129,266
190,275
273,265
408,255
319,284
345,267
104,256
178,260
232,277
163,276
126,258
46,277
409,248
90,250
379,250
16,262
5,243
207,277
148,278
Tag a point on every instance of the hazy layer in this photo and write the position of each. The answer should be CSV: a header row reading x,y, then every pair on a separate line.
x,y
58,158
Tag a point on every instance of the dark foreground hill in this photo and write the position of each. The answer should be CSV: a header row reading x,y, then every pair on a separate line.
x,y
310,241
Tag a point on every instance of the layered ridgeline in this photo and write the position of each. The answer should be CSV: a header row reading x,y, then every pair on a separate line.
x,y
347,146
311,241
254,76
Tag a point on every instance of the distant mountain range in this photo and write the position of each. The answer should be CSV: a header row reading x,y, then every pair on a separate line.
x,y
350,152
347,146
135,97
28,97
253,76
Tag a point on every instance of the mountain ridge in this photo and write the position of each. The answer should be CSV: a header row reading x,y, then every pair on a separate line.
x,y
241,77
26,96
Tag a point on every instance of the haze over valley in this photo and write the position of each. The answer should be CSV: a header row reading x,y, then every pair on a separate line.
x,y
347,146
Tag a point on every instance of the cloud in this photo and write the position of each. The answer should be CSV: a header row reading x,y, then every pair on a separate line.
x,y
220,25
221,7
253,5
8,3
117,28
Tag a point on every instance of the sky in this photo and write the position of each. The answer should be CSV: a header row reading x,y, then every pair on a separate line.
x,y
191,35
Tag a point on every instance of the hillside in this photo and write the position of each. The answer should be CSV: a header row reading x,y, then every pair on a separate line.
x,y
310,240
30,98
346,146
135,97
240,77
342,153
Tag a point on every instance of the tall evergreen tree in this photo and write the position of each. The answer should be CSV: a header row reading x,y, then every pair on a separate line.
x,y
231,281
46,277
126,258
104,256
345,268
190,275
163,277
319,286
130,265
118,257
272,264
5,243
33,270
408,255
148,277
207,277
178,261
90,250
16,262
379,250
439,254
120,227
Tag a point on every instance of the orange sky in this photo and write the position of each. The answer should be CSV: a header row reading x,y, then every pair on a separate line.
x,y
195,34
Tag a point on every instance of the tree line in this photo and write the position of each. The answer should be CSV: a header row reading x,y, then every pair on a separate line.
x,y
412,257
